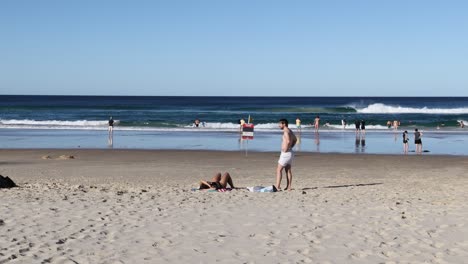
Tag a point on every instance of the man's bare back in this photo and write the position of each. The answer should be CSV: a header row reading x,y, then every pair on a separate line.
x,y
289,140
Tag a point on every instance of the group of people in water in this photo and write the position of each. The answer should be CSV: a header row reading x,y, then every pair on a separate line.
x,y
417,141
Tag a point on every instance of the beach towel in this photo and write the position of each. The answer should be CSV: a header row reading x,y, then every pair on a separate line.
x,y
271,188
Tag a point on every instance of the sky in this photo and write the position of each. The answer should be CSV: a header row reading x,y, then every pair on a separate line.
x,y
234,48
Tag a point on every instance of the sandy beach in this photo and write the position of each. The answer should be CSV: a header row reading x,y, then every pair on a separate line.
x,y
137,206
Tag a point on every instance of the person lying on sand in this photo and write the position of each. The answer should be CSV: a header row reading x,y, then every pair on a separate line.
x,y
217,182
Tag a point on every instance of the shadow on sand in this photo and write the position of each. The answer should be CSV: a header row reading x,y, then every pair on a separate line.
x,y
343,186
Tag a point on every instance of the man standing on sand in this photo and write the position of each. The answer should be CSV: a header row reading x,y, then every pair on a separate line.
x,y
287,155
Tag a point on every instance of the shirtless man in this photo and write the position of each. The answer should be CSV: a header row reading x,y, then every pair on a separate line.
x,y
287,155
396,123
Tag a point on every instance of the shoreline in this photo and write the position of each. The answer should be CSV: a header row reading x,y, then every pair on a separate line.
x,y
323,142
250,152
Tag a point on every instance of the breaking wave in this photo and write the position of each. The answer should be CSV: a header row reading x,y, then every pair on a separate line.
x,y
388,109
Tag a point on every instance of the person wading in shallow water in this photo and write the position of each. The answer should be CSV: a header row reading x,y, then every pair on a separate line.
x,y
405,142
418,141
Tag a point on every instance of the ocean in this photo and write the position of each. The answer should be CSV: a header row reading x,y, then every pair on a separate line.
x,y
153,122
223,113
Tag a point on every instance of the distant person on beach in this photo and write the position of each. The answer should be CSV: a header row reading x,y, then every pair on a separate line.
x,y
241,123
111,124
286,156
357,124
217,182
418,141
298,124
389,124
405,142
317,123
363,127
396,123
343,123
197,122
462,125
110,139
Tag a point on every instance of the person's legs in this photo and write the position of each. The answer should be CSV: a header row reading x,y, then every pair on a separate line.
x,y
279,176
216,177
288,171
226,179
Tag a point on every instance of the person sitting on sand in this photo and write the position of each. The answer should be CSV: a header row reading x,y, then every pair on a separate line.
x,y
217,182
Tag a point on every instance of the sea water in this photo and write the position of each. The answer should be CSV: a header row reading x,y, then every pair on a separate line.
x,y
167,122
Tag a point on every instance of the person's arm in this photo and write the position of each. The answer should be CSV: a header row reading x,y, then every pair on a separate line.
x,y
204,185
294,141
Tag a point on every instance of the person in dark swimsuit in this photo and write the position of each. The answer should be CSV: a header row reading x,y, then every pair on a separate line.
x,y
363,127
418,141
110,129
357,124
111,123
405,142
217,182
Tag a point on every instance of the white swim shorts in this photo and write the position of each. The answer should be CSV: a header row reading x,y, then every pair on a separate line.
x,y
286,158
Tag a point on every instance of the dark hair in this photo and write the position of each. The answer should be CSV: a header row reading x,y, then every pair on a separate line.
x,y
284,121
415,129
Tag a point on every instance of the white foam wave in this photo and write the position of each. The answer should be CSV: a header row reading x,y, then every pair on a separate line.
x,y
376,127
387,109
53,123
208,126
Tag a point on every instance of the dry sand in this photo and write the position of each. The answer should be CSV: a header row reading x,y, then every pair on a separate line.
x,y
135,206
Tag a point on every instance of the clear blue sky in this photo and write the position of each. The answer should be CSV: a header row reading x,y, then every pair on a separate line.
x,y
274,48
